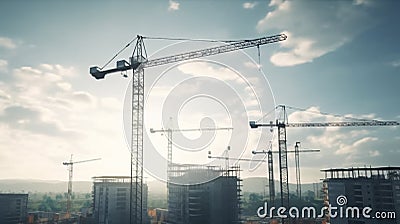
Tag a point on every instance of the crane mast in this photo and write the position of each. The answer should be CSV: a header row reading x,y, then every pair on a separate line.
x,y
137,63
297,161
271,180
70,165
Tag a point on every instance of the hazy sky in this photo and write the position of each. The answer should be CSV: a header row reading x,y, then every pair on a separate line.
x,y
341,57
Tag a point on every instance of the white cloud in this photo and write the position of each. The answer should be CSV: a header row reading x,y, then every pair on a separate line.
x,y
395,63
208,70
3,65
64,86
362,2
173,5
314,29
302,50
44,118
110,103
59,69
4,95
7,43
254,114
43,81
374,153
249,5
340,140
312,114
275,2
353,148
252,65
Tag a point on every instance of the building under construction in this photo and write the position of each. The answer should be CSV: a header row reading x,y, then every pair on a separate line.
x,y
204,194
374,187
111,197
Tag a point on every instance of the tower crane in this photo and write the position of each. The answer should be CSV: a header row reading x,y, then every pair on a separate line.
x,y
297,162
271,181
137,63
169,132
70,165
282,123
227,158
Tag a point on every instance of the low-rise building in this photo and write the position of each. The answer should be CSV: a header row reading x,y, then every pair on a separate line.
x,y
352,189
13,208
111,197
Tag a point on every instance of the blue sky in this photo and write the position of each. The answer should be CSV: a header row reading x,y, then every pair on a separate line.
x,y
340,57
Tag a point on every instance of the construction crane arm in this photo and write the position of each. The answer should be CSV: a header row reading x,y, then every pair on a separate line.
x,y
190,129
289,151
238,159
215,50
83,161
123,65
345,124
253,124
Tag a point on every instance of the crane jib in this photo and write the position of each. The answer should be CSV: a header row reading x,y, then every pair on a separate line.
x,y
345,124
123,65
215,50
253,124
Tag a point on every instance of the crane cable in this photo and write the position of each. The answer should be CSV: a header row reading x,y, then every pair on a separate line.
x,y
175,39
265,115
119,52
188,39
259,58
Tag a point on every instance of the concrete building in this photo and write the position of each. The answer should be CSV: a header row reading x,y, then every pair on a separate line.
x,y
357,188
13,208
198,195
111,196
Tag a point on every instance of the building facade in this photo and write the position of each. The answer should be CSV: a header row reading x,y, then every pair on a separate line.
x,y
111,197
192,200
353,189
13,208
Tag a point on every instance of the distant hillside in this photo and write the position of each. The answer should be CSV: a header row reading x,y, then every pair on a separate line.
x,y
43,186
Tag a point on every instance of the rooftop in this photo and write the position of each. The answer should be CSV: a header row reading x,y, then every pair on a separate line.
x,y
386,172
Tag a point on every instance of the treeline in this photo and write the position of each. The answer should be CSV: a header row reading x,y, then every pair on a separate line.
x,y
57,202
